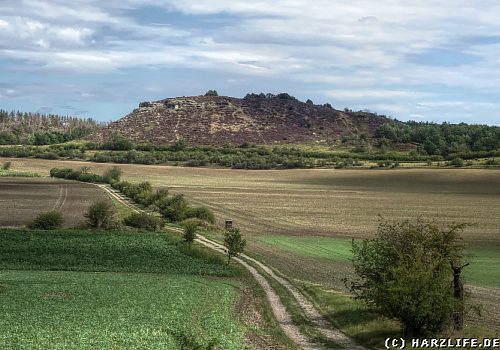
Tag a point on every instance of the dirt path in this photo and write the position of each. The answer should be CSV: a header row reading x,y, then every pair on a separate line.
x,y
280,312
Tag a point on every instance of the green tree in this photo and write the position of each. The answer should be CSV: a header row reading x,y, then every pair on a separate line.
x,y
101,215
404,272
189,233
234,243
50,220
211,93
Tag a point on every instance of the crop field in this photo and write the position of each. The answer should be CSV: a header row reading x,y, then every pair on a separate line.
x,y
85,290
301,221
22,199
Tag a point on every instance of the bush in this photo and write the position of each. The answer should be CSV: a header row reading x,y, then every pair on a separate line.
x,y
101,215
144,221
112,175
457,162
201,213
173,209
190,229
50,220
6,165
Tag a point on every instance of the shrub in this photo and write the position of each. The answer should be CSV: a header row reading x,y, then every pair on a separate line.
x,y
457,162
211,93
50,220
101,215
173,209
6,165
144,221
112,175
201,213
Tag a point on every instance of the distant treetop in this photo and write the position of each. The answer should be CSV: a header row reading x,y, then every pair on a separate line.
x,y
281,96
211,93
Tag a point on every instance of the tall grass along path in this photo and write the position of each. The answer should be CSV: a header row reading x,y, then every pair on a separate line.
x,y
280,312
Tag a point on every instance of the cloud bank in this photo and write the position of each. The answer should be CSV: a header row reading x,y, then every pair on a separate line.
x,y
436,59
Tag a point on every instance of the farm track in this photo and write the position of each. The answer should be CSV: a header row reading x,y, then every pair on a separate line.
x,y
282,315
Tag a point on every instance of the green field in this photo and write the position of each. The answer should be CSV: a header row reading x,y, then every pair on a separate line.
x,y
77,310
483,256
112,290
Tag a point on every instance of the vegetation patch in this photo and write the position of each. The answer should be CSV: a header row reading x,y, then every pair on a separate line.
x,y
74,310
80,250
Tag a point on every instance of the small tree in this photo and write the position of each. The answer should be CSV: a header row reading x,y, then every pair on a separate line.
x,y
190,229
101,215
113,175
404,272
50,220
6,165
234,243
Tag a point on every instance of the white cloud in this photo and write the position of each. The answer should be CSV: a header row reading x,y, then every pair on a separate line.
x,y
370,94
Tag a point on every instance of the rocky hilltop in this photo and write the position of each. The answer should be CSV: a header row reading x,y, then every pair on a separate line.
x,y
220,120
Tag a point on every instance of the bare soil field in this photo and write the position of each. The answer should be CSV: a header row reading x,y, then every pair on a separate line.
x,y
22,199
325,202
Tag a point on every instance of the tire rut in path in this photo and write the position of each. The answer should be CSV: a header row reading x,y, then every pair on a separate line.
x,y
279,310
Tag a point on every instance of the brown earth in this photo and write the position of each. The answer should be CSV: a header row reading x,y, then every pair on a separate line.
x,y
22,199
208,120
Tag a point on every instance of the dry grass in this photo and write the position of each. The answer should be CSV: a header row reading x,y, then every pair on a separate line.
x,y
323,202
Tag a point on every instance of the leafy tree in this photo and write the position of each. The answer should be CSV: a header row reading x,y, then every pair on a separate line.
x,y
404,272
211,93
113,174
234,243
50,220
173,208
190,229
101,215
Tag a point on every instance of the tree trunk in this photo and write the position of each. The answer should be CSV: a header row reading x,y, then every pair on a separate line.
x,y
458,288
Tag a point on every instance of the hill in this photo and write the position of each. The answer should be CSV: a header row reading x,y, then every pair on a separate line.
x,y
221,120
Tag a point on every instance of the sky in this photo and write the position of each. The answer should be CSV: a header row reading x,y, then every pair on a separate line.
x,y
423,60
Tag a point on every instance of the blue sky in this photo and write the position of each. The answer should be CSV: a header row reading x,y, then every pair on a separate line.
x,y
426,60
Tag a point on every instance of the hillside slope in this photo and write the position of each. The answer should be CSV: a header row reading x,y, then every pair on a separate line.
x,y
220,120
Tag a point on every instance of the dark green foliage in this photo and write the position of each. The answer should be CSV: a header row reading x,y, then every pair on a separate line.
x,y
6,165
443,139
404,272
112,175
144,221
50,220
101,215
211,93
173,208
117,142
457,162
78,175
190,229
83,250
234,243
201,213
